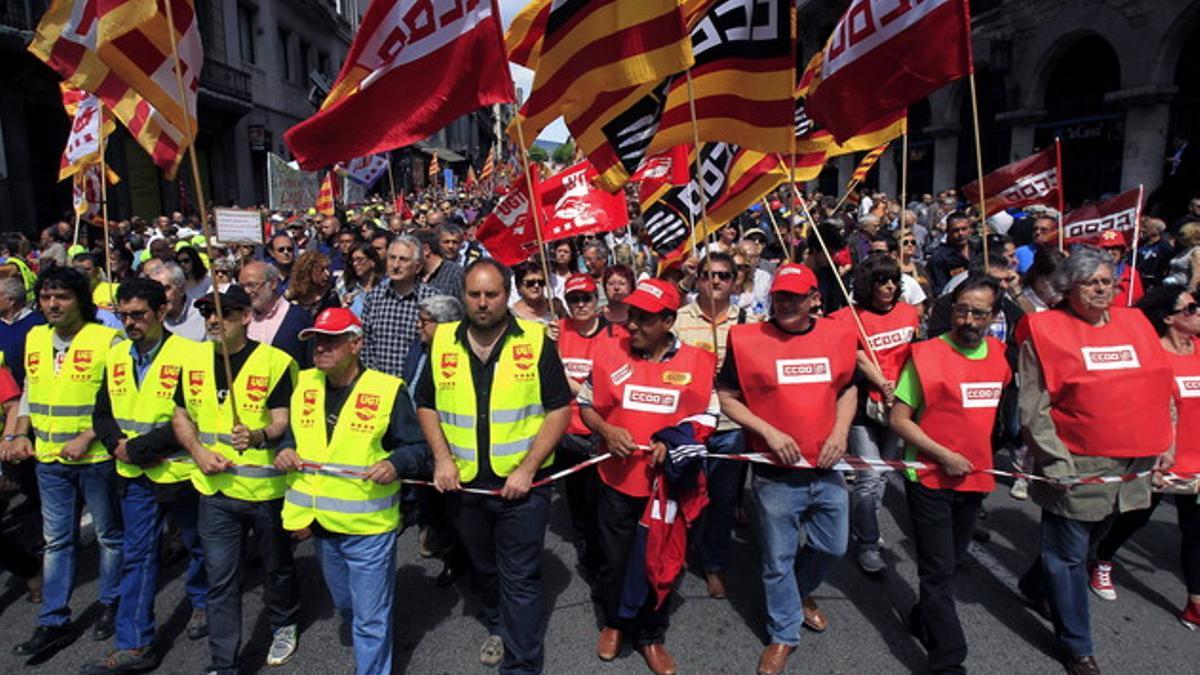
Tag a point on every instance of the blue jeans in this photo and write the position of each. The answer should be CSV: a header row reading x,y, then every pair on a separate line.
x,y
143,515
61,487
815,502
1064,559
360,571
870,441
724,479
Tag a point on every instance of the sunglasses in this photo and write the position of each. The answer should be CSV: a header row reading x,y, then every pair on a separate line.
x,y
909,242
136,315
1191,309
723,276
207,311
879,281
283,250
580,298
534,283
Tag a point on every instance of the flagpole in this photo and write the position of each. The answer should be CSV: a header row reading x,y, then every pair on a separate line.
x,y
201,203
1137,229
535,210
699,182
778,233
75,241
903,183
791,174
391,179
849,188
104,207
979,168
1062,197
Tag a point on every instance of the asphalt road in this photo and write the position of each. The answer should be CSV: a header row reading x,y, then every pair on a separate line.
x,y
438,630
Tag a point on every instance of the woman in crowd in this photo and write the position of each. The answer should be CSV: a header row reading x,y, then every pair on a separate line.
x,y
618,283
224,272
1037,289
534,302
199,283
562,265
890,326
311,287
362,272
1173,312
1088,360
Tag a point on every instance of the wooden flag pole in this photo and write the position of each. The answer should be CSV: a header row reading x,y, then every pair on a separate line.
x,y
75,241
1062,195
699,182
537,218
791,174
1137,231
903,183
200,202
979,169
846,195
112,301
391,179
774,225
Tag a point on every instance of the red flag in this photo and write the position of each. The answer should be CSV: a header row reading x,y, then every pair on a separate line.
x,y
470,180
574,205
454,57
507,232
659,173
1033,180
1090,221
892,55
400,207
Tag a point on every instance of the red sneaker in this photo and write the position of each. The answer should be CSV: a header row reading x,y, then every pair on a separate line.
x,y
1190,616
1101,580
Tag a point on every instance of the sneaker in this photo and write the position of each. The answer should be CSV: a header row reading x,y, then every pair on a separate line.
x,y
1019,489
491,653
1101,580
45,639
871,561
1190,616
283,646
197,626
124,661
106,625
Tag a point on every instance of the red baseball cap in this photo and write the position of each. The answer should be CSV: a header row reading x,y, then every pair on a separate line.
x,y
334,321
579,283
654,296
1112,239
794,278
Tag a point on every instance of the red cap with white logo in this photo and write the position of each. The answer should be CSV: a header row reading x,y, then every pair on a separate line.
x,y
654,296
794,278
579,283
334,321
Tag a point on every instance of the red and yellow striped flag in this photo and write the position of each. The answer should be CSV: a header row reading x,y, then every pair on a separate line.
x,y
327,195
489,166
864,167
435,167
593,46
66,40
523,40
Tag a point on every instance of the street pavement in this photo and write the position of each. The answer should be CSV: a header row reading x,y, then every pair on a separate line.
x,y
439,630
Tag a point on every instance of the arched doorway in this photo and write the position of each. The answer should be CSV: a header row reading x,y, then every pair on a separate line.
x,y
1092,132
994,139
1181,178
920,150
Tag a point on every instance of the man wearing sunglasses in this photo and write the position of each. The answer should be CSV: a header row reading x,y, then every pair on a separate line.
x,y
790,383
231,431
132,419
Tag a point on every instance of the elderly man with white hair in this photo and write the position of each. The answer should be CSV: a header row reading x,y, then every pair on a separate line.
x,y
182,318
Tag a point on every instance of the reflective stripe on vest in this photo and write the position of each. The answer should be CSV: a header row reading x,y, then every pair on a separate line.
x,y
333,490
60,403
517,412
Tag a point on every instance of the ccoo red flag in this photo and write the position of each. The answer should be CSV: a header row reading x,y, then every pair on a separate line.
x,y
890,56
453,57
1033,180
1088,222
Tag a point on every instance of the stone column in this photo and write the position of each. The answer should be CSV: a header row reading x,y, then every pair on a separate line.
x,y
1147,118
889,170
1023,123
945,157
845,169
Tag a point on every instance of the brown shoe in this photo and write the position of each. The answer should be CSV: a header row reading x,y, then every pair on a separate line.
x,y
1083,665
814,618
609,644
774,658
716,584
658,659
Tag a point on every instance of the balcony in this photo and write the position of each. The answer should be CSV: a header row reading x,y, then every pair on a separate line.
x,y
227,87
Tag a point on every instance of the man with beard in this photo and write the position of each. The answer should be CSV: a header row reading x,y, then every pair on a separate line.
x,y
493,405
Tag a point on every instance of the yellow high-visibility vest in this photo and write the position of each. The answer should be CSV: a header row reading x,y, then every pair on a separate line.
x,y
60,404
253,478
341,503
516,399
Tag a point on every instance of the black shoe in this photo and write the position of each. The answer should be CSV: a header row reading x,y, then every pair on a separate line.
x,y
106,625
45,639
447,576
197,626
124,661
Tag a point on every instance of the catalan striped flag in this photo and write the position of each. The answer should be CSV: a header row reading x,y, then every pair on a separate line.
x,y
523,40
327,195
435,167
864,167
67,40
489,166
593,46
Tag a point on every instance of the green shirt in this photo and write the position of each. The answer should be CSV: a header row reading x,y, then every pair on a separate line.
x,y
908,388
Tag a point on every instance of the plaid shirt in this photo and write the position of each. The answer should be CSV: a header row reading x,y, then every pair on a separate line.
x,y
390,326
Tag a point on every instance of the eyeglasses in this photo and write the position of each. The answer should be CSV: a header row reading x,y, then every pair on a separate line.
x,y
283,250
207,311
963,310
723,276
909,242
580,298
136,315
534,283
1191,309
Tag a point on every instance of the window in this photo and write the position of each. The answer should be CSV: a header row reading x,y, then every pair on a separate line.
x,y
247,21
323,64
304,61
285,63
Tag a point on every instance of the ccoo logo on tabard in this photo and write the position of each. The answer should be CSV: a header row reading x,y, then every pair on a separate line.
x,y
892,338
1189,386
577,369
803,371
650,399
1116,357
981,394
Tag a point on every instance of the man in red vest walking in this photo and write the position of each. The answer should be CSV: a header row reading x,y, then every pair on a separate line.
x,y
789,383
947,398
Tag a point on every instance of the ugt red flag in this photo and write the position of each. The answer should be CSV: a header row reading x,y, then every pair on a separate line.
x,y
412,69
574,205
508,231
1033,180
1088,222
882,57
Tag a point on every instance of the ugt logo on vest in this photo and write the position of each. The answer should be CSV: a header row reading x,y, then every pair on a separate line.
x,y
82,361
256,387
892,338
169,376
1189,386
449,365
981,394
650,399
366,405
309,398
119,373
1116,357
195,382
522,356
32,362
803,371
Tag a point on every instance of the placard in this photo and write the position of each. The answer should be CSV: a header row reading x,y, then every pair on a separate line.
x,y
239,226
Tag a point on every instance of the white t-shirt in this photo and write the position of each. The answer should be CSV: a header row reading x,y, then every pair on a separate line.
x,y
911,291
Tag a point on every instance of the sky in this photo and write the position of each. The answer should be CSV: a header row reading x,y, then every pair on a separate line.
x,y
523,77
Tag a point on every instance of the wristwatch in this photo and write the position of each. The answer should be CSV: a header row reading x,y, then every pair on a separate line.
x,y
12,437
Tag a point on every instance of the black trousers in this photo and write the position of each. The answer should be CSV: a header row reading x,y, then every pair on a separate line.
x,y
1125,524
581,491
943,521
618,516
